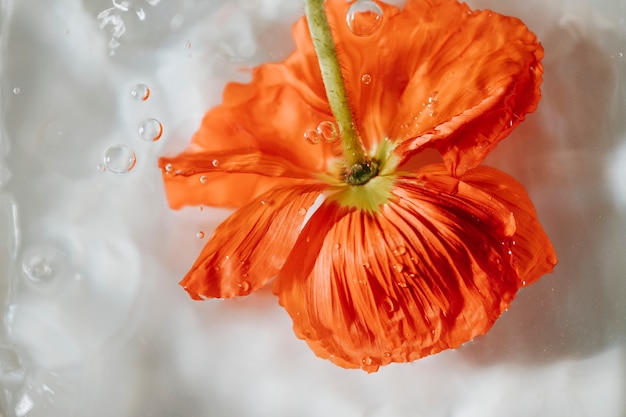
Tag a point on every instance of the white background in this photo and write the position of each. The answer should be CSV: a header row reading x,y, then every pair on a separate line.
x,y
108,332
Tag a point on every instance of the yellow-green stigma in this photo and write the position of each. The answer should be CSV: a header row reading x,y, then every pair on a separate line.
x,y
367,189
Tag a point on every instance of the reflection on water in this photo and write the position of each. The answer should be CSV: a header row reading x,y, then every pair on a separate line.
x,y
94,322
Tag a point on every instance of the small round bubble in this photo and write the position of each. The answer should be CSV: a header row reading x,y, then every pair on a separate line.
x,y
119,159
328,131
16,90
364,17
42,262
140,92
366,79
200,235
312,136
151,130
203,179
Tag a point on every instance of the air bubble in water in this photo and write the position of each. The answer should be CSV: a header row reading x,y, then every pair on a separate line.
x,y
119,159
312,136
151,130
328,131
244,286
364,17
140,92
41,263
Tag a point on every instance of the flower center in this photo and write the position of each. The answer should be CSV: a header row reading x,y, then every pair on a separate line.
x,y
361,173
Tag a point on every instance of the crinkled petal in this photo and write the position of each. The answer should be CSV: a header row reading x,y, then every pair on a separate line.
x,y
269,115
439,75
225,179
433,269
252,244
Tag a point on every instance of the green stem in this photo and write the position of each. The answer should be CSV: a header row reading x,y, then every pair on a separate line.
x,y
351,144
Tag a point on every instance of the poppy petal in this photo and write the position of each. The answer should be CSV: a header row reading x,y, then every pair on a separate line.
x,y
441,76
251,245
271,116
430,271
225,179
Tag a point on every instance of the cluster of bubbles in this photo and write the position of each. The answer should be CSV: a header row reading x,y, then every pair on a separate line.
x,y
120,158
325,131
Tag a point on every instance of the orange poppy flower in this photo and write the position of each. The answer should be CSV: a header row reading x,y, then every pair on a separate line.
x,y
419,258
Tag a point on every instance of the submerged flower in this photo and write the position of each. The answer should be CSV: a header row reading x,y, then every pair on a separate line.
x,y
388,260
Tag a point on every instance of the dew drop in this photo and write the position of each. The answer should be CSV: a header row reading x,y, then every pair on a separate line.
x,y
200,235
398,267
151,130
387,354
364,17
312,136
203,179
366,79
168,168
328,130
367,361
17,90
244,286
302,211
399,251
215,163
140,92
119,159
337,246
389,305
367,265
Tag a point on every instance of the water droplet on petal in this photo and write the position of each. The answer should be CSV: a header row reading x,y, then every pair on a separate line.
x,y
337,246
140,92
389,305
364,17
366,79
119,159
302,211
367,265
168,168
329,131
215,163
366,361
313,136
200,235
244,286
398,267
399,251
151,130
203,179
387,354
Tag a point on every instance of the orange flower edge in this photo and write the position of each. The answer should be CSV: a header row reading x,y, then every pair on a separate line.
x,y
418,259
